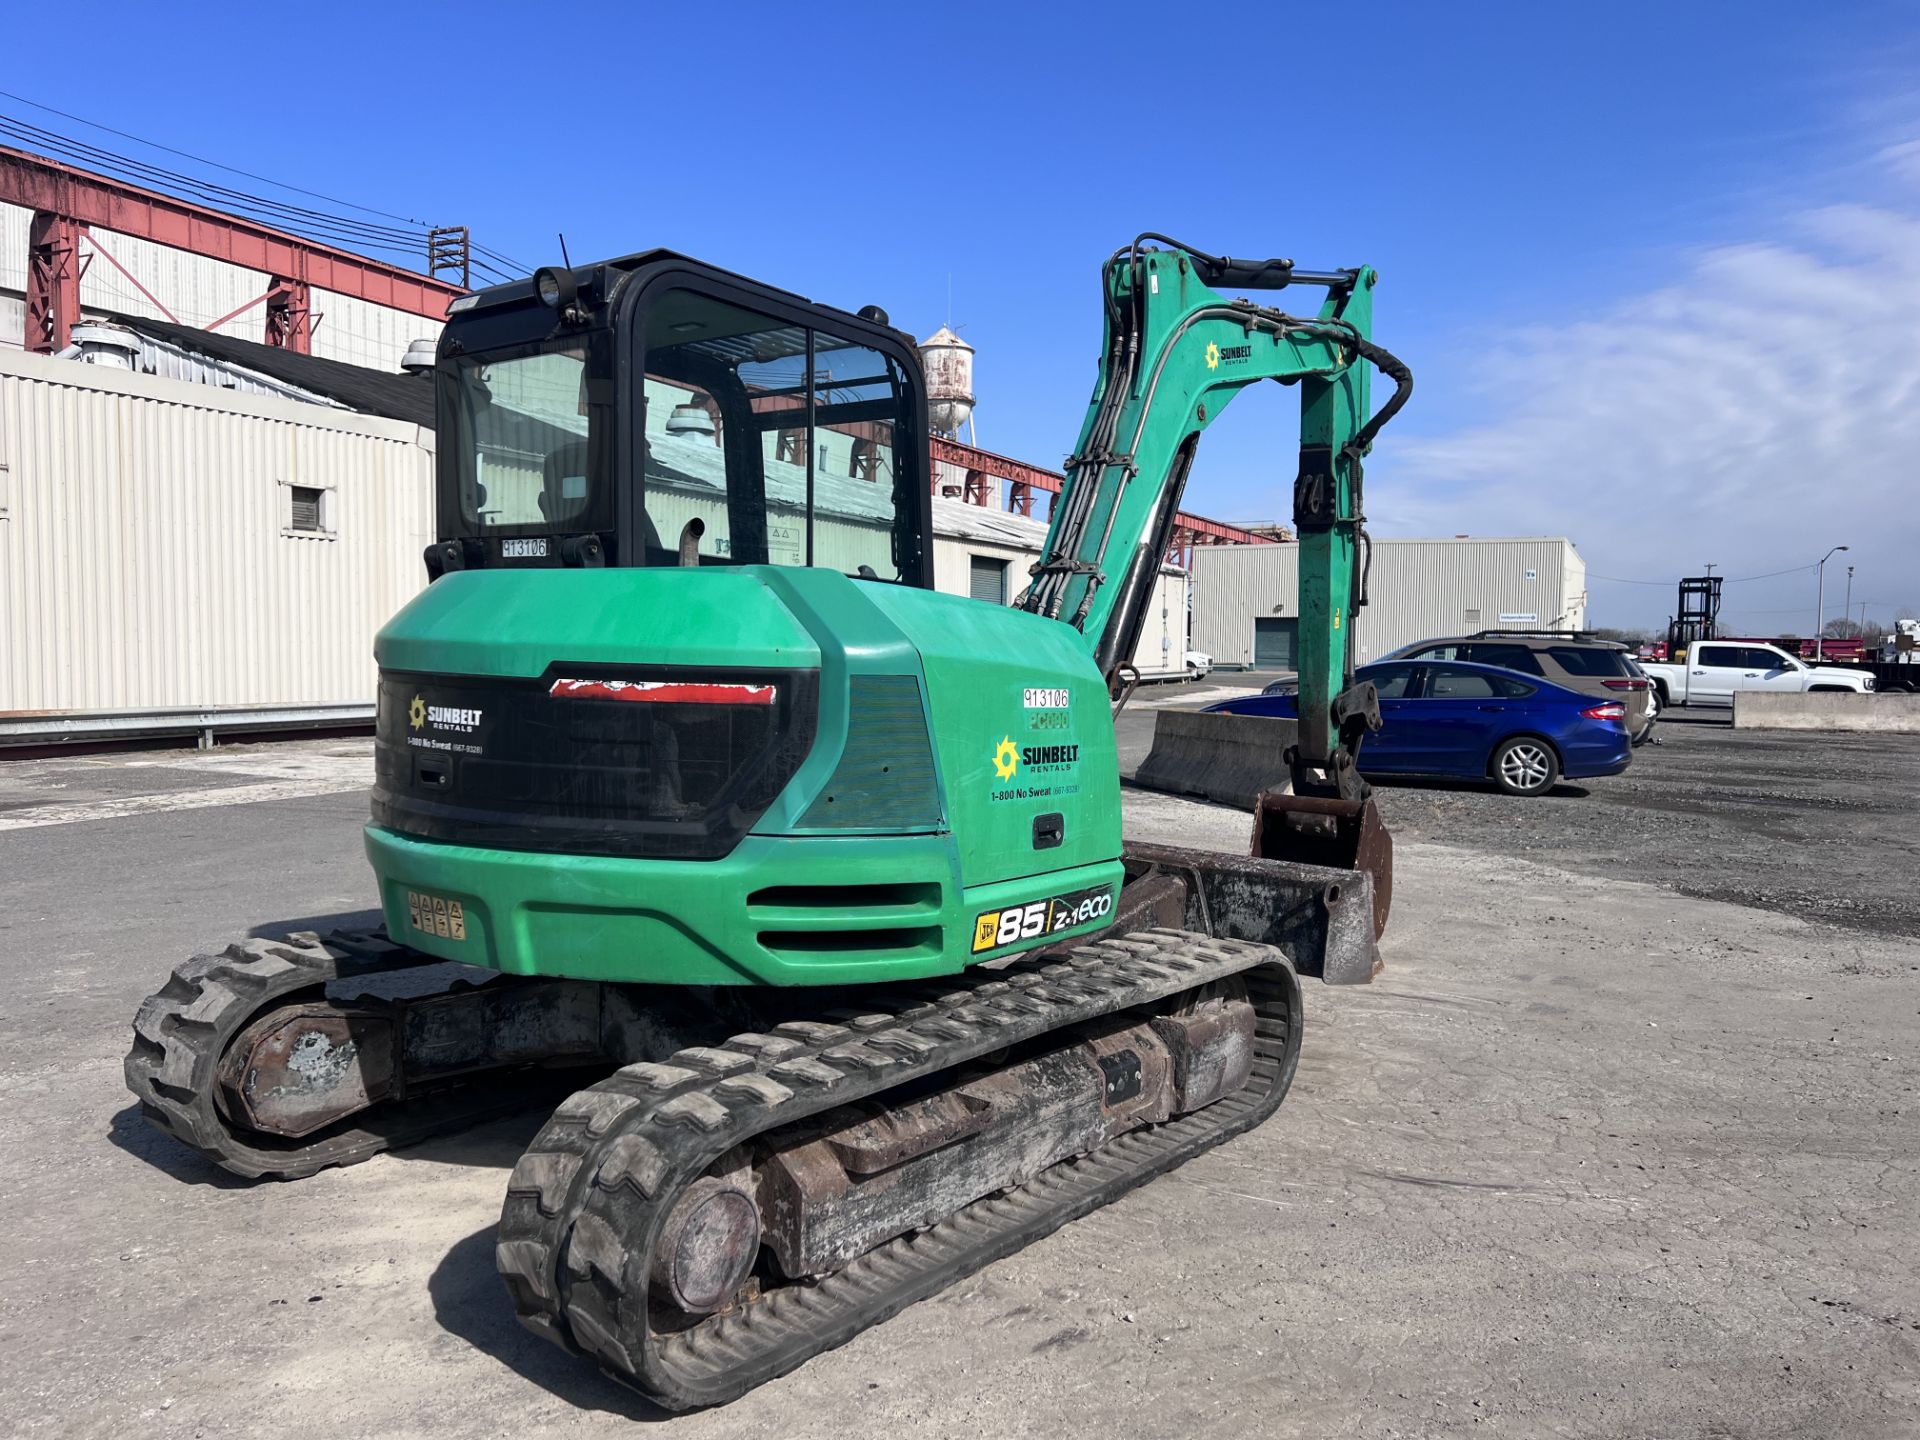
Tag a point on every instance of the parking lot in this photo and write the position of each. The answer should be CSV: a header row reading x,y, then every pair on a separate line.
x,y
1621,1143
1822,828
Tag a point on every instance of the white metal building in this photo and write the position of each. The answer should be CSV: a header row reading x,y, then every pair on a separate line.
x,y
171,544
167,544
1246,597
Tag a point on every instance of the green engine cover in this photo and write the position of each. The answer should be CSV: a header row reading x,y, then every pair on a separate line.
x,y
959,800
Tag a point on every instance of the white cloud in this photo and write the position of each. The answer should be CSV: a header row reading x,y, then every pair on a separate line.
x,y
1762,407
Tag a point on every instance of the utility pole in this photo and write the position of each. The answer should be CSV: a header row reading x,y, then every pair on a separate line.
x,y
1820,602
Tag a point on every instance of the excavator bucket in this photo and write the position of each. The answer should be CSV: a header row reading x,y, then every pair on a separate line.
x,y
1332,833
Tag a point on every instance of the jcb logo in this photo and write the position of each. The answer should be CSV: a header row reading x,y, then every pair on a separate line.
x,y
998,928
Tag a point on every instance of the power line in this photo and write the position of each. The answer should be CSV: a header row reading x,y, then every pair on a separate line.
x,y
202,160
112,160
1725,579
316,224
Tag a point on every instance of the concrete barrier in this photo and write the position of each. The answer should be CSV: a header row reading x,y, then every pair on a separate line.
x,y
1228,758
1826,710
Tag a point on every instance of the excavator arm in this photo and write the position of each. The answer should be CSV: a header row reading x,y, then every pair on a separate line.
x,y
1176,352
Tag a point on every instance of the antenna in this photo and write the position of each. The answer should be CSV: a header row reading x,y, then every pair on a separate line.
x,y
565,259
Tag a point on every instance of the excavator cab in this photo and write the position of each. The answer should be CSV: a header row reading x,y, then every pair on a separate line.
x,y
656,411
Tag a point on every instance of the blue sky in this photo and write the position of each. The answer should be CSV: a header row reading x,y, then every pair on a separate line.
x,y
1656,267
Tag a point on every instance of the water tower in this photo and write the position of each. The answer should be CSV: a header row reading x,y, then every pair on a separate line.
x,y
948,362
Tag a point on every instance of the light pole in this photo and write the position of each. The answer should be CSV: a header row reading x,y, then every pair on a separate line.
x,y
1820,602
1846,610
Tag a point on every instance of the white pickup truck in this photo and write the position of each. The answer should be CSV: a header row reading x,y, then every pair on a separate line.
x,y
1709,671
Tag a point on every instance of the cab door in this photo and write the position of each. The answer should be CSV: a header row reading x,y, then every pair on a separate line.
x,y
1713,669
1395,748
1774,671
1462,712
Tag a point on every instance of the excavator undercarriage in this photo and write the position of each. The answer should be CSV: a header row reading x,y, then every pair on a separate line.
x,y
761,1173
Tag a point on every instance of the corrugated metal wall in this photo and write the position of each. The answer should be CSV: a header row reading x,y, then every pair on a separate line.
x,y
144,558
362,333
1418,589
16,228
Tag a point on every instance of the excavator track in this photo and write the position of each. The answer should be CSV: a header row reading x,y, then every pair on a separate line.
x,y
181,1034
588,1201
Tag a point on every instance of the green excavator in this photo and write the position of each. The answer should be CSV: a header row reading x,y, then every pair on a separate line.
x,y
690,785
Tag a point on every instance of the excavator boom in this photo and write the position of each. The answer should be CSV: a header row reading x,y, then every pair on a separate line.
x,y
1176,352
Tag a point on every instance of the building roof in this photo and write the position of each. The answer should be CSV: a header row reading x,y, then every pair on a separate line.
x,y
959,520
399,396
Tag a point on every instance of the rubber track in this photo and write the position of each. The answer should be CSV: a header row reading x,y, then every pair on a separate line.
x,y
586,1201
180,1034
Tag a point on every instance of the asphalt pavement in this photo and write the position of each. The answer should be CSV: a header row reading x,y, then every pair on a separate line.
x,y
1594,1156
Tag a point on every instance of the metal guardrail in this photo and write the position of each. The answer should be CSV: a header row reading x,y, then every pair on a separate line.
x,y
52,726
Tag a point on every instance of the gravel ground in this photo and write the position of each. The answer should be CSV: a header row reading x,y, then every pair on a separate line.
x,y
1822,827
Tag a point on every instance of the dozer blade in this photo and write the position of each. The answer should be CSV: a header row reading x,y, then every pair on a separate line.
x,y
1329,832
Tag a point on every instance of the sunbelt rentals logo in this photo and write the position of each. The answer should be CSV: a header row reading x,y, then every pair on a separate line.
x,y
463,719
1006,758
1229,355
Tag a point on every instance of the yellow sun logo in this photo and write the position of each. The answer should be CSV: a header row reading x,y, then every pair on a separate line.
x,y
1213,356
417,713
1006,759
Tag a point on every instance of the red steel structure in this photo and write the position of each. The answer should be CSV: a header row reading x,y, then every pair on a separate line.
x,y
67,202
983,470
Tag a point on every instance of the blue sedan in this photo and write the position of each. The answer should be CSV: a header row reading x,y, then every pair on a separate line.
x,y
1477,722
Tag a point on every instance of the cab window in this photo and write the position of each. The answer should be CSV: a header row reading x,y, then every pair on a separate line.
x,y
1391,683
1592,661
1450,682
771,443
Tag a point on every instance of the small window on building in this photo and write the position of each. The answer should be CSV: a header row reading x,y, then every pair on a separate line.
x,y
987,579
1473,619
306,509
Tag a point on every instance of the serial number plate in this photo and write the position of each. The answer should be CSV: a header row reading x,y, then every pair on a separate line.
x,y
523,549
436,915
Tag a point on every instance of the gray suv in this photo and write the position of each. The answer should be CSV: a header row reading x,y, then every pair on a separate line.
x,y
1574,658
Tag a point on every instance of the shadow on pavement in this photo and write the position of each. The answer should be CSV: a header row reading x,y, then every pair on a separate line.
x,y
470,1301
1562,790
492,1144
129,1131
321,924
